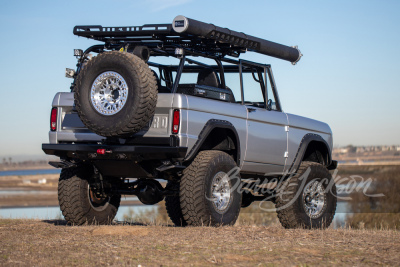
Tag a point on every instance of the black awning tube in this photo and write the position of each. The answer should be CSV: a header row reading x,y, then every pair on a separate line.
x,y
186,25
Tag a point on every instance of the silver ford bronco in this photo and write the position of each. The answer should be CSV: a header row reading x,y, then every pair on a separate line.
x,y
174,102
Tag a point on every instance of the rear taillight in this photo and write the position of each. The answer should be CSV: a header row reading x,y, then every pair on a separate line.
x,y
53,119
176,121
101,151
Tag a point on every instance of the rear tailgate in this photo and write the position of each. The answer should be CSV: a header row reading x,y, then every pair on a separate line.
x,y
70,128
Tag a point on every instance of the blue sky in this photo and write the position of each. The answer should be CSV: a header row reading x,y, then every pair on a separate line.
x,y
349,76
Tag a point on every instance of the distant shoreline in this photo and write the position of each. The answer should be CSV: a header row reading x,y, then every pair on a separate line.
x,y
20,167
26,167
374,163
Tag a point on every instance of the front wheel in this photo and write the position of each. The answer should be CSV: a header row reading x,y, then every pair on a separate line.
x,y
210,190
308,198
79,203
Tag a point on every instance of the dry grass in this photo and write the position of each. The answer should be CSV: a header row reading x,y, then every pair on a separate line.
x,y
249,216
148,239
49,243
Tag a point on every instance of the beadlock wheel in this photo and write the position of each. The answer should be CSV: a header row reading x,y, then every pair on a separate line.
x,y
314,199
79,204
109,93
221,192
208,196
307,199
115,94
97,203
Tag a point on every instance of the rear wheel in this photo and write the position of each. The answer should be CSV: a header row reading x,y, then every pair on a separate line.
x,y
79,203
209,195
173,206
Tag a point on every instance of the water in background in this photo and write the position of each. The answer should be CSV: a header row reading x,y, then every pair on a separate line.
x,y
51,213
30,172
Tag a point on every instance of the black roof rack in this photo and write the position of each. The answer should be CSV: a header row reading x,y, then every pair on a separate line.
x,y
160,36
190,34
148,31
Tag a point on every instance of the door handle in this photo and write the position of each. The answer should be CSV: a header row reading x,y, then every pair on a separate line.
x,y
251,109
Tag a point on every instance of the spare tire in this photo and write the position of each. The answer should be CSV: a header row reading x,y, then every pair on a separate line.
x,y
115,94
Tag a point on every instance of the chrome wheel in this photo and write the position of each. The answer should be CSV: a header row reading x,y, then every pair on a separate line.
x,y
314,199
221,192
109,93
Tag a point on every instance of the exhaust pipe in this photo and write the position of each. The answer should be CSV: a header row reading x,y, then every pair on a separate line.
x,y
182,24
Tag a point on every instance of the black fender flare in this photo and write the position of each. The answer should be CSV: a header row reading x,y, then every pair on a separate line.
x,y
208,127
305,141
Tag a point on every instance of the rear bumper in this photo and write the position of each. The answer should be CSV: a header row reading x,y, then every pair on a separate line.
x,y
114,152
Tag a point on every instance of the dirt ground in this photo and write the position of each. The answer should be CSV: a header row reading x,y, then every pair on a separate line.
x,y
50,243
248,243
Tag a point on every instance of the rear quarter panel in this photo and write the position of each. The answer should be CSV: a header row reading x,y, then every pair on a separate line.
x,y
299,127
197,111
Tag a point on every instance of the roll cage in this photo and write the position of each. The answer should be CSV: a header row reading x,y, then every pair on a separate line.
x,y
162,41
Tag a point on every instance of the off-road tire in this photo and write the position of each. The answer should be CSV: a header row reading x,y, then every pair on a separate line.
x,y
173,206
74,199
196,189
289,198
140,103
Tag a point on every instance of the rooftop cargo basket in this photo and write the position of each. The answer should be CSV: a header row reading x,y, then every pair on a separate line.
x,y
191,34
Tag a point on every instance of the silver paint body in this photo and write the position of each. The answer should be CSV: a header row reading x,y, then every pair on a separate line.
x,y
269,140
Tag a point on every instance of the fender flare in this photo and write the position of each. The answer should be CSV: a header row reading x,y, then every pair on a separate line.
x,y
305,141
208,127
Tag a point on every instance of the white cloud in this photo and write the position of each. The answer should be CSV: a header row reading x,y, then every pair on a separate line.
x,y
158,5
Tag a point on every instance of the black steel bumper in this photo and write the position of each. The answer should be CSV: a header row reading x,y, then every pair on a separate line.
x,y
114,152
